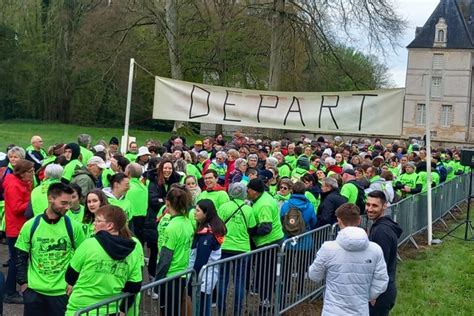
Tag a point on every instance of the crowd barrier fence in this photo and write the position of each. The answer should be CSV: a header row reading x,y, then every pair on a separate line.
x,y
273,279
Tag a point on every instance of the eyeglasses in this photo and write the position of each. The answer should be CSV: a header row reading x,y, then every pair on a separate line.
x,y
284,188
96,221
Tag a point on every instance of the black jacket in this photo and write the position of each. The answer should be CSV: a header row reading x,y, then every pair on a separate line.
x,y
156,199
385,232
330,201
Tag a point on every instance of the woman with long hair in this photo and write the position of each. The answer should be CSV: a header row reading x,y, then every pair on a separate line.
x,y
158,188
95,199
119,185
106,265
17,190
206,249
175,247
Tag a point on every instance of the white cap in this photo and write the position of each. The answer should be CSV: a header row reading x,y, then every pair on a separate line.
x,y
95,160
142,151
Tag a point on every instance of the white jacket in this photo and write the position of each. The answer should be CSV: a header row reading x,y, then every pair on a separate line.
x,y
355,272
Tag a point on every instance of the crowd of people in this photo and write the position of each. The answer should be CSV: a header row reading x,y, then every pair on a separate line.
x,y
77,217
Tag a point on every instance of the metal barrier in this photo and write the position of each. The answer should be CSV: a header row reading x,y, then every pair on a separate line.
x,y
174,298
297,254
239,284
270,280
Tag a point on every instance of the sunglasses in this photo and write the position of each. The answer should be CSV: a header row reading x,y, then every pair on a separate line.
x,y
284,188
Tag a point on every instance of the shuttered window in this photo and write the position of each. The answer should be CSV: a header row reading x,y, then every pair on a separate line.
x,y
420,114
446,115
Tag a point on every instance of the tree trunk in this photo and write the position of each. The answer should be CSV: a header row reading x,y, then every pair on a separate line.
x,y
274,80
171,21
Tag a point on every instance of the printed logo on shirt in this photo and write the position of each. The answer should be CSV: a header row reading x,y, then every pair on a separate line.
x,y
118,268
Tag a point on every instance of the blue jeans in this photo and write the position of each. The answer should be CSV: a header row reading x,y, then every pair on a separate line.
x,y
205,305
11,277
2,291
239,276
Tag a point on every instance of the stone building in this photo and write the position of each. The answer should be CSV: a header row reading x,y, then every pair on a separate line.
x,y
443,53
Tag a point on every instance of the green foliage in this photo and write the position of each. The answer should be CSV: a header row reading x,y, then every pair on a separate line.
x,y
68,61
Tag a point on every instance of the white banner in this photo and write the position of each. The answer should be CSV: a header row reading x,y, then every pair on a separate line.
x,y
376,112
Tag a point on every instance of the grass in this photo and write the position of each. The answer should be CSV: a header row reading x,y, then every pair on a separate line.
x,y
20,132
438,280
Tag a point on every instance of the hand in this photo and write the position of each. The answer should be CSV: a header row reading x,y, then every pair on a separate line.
x,y
406,188
69,289
372,302
122,314
23,288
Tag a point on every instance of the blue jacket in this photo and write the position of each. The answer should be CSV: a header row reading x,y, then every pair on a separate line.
x,y
302,203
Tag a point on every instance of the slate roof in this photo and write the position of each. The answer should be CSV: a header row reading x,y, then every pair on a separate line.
x,y
459,17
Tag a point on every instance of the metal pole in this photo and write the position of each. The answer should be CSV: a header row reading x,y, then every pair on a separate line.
x,y
124,144
428,156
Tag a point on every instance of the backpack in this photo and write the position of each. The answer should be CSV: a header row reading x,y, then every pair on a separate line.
x,y
360,202
293,222
67,220
443,173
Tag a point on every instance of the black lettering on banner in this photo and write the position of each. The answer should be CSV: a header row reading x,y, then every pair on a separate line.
x,y
266,106
362,105
191,116
233,104
328,106
295,100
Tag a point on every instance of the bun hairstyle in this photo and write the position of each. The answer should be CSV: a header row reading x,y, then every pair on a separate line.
x,y
116,216
116,178
180,199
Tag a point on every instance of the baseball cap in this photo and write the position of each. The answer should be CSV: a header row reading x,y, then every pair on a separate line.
x,y
99,162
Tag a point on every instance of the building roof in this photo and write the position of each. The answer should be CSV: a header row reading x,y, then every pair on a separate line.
x,y
459,17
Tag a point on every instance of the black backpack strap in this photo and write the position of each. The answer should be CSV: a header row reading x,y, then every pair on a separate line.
x,y
35,225
70,231
235,212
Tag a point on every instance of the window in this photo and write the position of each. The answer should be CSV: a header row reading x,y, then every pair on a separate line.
x,y
440,36
420,114
436,85
438,61
446,115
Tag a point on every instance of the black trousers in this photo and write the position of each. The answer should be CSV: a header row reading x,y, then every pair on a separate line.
x,y
39,304
138,222
384,302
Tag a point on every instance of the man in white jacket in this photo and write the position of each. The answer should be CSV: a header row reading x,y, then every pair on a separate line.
x,y
354,267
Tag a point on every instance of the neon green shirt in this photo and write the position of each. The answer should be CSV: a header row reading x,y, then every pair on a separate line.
x,y
89,230
70,168
105,173
284,171
39,196
265,210
78,215
192,170
395,171
138,197
314,201
237,237
123,203
100,276
178,237
218,197
291,160
86,155
350,191
131,157
50,253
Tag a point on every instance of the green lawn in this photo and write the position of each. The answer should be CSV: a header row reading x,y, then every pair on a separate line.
x,y
438,280
19,133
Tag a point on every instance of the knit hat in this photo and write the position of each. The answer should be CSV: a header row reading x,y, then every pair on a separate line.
x,y
265,175
303,162
76,151
256,185
114,141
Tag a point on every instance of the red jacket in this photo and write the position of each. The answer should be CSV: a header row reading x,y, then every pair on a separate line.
x,y
17,196
230,168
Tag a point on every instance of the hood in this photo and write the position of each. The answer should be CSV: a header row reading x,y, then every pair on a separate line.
x,y
116,247
298,200
357,183
75,149
353,239
108,192
388,221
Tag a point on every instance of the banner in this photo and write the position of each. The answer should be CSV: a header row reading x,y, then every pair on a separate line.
x,y
377,112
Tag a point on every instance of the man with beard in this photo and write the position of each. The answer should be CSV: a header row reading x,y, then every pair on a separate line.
x,y
45,246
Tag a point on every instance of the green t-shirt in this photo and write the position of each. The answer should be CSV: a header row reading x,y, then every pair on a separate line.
x,y
105,173
350,191
237,237
192,170
100,276
50,253
39,196
88,229
291,160
298,173
123,203
314,201
163,221
131,157
178,237
423,179
265,210
86,155
451,167
78,215
70,168
395,171
138,197
48,160
409,180
284,171
218,197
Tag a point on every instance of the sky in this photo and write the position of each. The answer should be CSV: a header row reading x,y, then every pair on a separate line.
x,y
416,12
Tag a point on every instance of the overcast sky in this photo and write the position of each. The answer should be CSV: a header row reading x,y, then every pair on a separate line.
x,y
416,12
